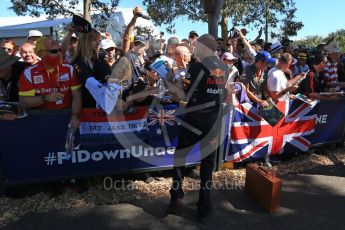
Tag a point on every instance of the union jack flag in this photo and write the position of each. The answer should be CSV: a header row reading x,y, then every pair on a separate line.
x,y
251,137
162,117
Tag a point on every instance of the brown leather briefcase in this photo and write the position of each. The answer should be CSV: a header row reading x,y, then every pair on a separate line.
x,y
263,186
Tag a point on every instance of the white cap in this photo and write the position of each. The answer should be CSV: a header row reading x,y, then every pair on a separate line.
x,y
106,43
74,35
35,33
229,56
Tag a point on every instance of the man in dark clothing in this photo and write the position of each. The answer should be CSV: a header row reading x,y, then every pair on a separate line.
x,y
313,84
201,124
10,71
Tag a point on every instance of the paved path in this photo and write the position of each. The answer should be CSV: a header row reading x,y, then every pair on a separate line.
x,y
313,199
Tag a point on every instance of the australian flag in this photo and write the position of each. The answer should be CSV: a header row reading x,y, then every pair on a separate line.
x,y
251,137
164,125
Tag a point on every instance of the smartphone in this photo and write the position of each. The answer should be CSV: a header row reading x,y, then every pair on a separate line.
x,y
301,79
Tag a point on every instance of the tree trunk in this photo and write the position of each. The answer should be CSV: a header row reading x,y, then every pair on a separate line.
x,y
87,10
224,27
214,18
266,22
266,31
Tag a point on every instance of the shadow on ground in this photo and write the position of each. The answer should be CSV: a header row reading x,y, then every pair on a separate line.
x,y
313,199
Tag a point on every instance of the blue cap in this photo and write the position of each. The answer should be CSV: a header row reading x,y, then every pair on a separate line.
x,y
265,57
140,39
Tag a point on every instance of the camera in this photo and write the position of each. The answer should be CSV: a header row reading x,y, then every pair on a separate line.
x,y
81,24
234,32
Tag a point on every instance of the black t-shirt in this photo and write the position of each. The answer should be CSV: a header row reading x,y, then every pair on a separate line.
x,y
9,88
99,71
313,83
207,85
341,72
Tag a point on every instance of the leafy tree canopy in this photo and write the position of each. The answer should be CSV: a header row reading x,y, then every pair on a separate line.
x,y
313,40
54,8
255,13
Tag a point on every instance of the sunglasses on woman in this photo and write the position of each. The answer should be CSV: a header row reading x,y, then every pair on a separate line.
x,y
7,49
110,49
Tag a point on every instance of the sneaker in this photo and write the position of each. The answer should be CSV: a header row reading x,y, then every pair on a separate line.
x,y
267,164
174,206
149,178
192,173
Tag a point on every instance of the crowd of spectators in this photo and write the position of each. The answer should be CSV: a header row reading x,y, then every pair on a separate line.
x,y
48,74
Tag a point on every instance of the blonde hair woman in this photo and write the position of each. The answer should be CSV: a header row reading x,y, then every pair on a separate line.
x,y
89,63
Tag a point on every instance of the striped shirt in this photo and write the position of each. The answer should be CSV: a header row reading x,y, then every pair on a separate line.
x,y
331,72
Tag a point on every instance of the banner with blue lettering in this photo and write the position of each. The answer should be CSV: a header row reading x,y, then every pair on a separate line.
x,y
330,123
33,148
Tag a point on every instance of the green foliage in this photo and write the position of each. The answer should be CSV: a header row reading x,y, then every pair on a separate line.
x,y
310,41
289,26
146,31
339,38
314,40
54,8
165,12
275,15
252,13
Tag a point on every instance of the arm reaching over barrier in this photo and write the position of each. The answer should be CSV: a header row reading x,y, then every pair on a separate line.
x,y
129,30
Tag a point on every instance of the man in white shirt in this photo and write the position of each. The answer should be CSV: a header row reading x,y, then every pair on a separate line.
x,y
278,85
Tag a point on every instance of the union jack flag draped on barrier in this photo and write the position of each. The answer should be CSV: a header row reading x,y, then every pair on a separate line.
x,y
251,137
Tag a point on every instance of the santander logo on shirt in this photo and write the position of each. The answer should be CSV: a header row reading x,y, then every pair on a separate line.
x,y
50,90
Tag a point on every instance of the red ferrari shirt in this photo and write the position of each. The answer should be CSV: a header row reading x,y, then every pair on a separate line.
x,y
36,81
